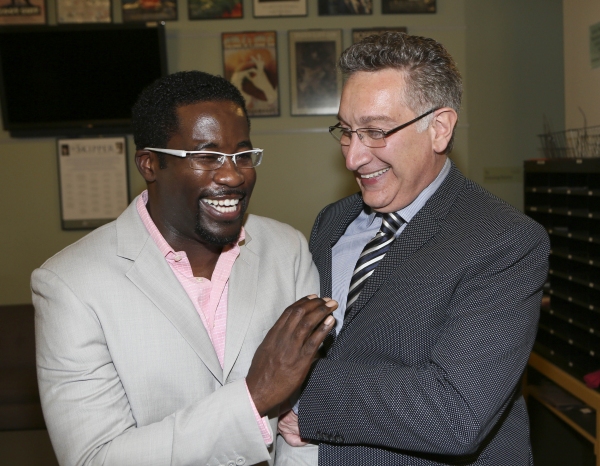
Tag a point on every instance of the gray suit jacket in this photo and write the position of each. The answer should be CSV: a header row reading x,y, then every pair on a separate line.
x,y
127,372
426,368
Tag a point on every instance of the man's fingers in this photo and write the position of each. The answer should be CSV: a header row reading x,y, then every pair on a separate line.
x,y
305,319
316,338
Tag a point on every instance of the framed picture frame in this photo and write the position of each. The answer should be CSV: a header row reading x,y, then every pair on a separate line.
x,y
24,12
215,9
93,180
275,8
345,7
390,7
148,10
315,82
360,33
83,11
250,63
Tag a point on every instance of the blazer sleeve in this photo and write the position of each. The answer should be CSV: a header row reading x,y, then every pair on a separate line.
x,y
86,406
473,371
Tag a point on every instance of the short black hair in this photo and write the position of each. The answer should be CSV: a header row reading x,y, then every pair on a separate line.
x,y
154,114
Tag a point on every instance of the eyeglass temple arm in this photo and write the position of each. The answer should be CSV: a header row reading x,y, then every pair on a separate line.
x,y
408,123
177,153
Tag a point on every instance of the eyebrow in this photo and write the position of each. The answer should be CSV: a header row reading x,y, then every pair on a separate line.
x,y
365,120
204,145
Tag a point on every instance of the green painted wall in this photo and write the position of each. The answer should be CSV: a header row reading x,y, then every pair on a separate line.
x,y
502,48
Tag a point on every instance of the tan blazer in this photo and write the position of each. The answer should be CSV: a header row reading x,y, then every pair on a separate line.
x,y
127,371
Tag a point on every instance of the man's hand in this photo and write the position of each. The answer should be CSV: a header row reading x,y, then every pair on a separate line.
x,y
290,430
283,359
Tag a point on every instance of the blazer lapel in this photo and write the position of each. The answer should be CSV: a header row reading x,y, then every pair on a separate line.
x,y
332,226
153,276
423,226
345,219
243,286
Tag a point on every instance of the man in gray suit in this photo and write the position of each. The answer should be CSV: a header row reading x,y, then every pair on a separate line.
x,y
149,329
439,282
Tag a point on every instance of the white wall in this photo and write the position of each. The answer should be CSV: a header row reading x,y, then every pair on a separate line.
x,y
582,83
514,79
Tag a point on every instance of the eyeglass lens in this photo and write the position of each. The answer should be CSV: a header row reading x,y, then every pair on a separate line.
x,y
369,137
246,159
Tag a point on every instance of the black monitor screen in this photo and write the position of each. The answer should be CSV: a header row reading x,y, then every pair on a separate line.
x,y
76,79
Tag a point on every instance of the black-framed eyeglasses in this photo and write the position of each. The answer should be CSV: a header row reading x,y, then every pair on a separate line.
x,y
370,137
210,160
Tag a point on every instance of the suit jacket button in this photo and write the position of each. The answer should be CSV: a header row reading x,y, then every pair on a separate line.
x,y
338,438
240,461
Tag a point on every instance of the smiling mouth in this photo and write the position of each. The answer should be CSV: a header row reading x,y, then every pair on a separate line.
x,y
223,205
374,174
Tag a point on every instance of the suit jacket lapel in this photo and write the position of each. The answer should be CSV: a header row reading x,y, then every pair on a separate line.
x,y
423,226
332,226
243,286
153,276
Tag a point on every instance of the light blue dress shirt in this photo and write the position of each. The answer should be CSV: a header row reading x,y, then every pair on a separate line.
x,y
346,251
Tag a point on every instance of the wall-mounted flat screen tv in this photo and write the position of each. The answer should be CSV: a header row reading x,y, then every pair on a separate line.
x,y
71,80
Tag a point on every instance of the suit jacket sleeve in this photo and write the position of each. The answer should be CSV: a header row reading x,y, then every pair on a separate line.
x,y
473,370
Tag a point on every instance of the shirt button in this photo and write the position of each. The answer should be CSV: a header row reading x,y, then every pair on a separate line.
x,y
199,279
177,258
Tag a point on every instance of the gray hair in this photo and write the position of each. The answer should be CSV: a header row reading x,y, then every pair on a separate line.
x,y
431,76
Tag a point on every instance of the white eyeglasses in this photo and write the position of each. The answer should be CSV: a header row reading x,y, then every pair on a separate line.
x,y
209,160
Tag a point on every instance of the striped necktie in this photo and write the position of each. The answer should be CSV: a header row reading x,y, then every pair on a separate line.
x,y
372,254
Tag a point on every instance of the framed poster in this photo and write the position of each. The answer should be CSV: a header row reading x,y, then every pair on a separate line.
x,y
407,6
345,7
23,12
316,84
360,34
215,9
94,187
148,10
83,11
250,63
266,8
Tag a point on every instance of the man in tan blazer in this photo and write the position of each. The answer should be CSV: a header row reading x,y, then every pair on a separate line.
x,y
149,329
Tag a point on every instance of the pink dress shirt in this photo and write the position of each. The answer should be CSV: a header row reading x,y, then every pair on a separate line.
x,y
208,296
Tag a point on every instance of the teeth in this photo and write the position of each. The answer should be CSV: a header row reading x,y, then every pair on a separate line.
x,y
223,205
372,175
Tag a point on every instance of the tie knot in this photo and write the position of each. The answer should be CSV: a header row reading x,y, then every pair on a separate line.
x,y
390,223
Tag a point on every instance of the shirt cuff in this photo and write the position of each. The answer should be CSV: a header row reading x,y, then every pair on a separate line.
x,y
263,423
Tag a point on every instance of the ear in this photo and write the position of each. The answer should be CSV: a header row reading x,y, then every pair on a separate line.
x,y
442,127
147,164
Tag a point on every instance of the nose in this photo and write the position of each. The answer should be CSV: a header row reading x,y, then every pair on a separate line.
x,y
229,174
356,154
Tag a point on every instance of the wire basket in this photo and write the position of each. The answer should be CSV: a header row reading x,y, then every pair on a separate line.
x,y
572,143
